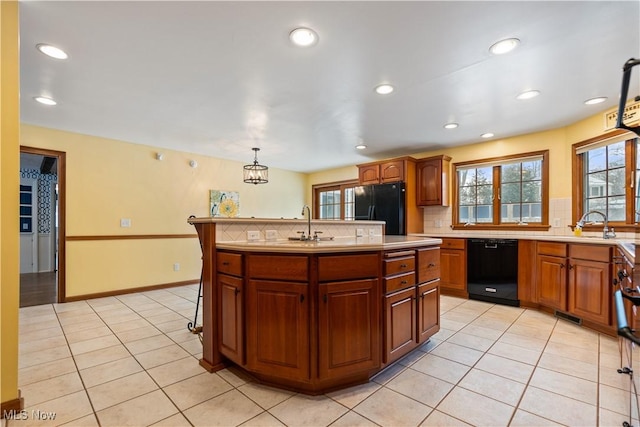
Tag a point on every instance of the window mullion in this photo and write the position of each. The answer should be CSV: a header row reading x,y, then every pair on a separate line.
x,y
497,190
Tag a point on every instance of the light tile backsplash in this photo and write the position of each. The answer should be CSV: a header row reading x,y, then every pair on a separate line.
x,y
437,220
237,231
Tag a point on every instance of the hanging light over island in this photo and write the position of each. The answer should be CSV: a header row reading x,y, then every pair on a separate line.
x,y
256,173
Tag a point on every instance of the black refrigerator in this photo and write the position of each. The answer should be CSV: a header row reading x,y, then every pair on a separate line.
x,y
382,202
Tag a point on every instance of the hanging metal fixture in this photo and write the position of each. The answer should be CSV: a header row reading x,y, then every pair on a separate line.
x,y
256,173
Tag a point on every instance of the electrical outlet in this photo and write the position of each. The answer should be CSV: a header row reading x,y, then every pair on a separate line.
x,y
438,223
253,235
556,222
271,234
125,222
176,266
372,232
359,232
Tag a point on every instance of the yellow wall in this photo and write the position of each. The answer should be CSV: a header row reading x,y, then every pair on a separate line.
x,y
557,141
108,180
9,186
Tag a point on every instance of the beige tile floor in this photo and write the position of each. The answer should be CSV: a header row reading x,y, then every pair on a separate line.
x,y
130,361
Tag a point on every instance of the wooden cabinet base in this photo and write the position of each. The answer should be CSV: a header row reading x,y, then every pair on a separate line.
x,y
210,367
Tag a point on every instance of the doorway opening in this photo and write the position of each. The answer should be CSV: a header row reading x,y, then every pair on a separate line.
x,y
42,226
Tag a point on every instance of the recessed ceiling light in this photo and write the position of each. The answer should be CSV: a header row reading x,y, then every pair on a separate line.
x,y
597,100
361,147
528,94
504,46
384,89
487,135
52,51
451,126
44,100
303,37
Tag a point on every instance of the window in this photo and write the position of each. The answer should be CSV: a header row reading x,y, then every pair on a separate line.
x,y
334,200
605,178
502,192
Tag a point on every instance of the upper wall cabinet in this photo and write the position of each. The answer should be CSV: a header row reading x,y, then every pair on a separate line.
x,y
393,170
433,177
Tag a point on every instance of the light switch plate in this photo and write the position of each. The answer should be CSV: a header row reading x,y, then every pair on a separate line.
x,y
125,222
253,235
359,232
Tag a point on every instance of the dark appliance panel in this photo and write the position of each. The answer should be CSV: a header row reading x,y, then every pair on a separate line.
x,y
382,202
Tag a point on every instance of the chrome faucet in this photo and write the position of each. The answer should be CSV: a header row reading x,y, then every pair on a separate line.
x,y
308,222
606,233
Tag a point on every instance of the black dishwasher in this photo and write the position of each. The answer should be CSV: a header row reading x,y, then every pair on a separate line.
x,y
492,270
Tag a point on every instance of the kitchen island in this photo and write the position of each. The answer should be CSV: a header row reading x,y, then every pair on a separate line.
x,y
314,316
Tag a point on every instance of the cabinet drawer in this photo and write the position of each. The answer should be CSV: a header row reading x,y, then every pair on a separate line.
x,y
399,282
229,263
399,265
590,252
552,248
292,268
428,264
347,267
453,243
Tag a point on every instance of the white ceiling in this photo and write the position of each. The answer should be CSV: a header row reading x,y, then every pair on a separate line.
x,y
218,78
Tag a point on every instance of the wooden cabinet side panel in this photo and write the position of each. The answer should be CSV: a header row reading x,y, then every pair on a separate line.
x,y
278,329
551,282
349,328
527,271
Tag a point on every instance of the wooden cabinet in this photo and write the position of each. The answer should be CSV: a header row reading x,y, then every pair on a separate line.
x,y
433,177
428,310
348,328
231,312
278,328
453,267
387,171
232,317
575,278
590,283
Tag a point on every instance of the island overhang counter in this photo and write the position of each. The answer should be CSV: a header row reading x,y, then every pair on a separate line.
x,y
315,316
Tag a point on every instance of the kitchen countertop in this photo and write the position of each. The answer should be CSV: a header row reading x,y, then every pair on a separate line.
x,y
338,244
627,245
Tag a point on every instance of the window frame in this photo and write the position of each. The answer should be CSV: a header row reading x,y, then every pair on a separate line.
x,y
630,154
496,224
338,185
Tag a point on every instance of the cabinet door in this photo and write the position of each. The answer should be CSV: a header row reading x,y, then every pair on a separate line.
x,y
392,171
429,177
230,323
453,269
400,324
278,328
349,328
590,290
552,281
369,174
428,310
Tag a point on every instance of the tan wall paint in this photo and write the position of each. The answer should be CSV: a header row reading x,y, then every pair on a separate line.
x,y
108,180
9,187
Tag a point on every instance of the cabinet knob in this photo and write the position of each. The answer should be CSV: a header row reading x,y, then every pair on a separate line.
x,y
570,267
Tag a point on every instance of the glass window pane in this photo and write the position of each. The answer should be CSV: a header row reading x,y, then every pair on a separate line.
x,y
616,182
596,159
615,154
532,171
485,194
616,208
532,191
467,177
484,176
510,173
597,204
485,213
510,193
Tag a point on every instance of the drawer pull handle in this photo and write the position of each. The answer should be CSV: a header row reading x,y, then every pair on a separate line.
x,y
403,265
404,282
301,298
225,263
324,298
431,265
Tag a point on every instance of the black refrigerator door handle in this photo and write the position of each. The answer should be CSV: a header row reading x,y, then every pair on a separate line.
x,y
372,212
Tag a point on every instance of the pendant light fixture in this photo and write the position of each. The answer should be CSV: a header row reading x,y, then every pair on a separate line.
x,y
256,173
